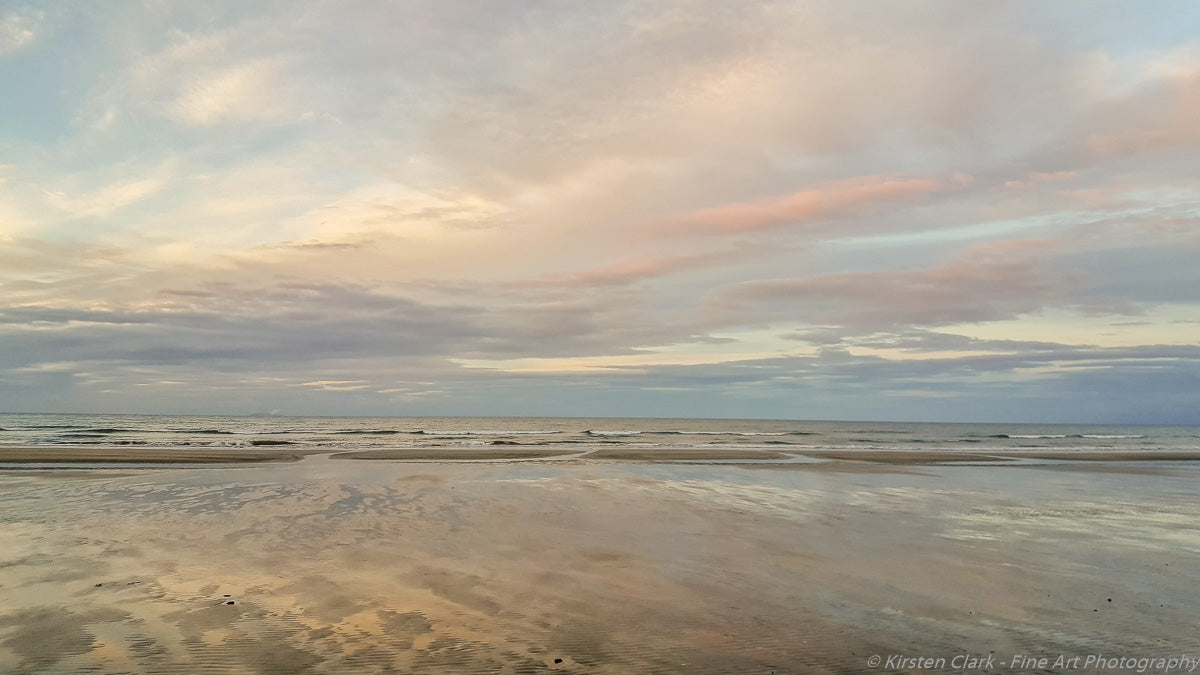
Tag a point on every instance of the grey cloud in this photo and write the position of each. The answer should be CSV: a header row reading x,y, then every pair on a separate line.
x,y
634,270
915,340
51,315
1140,274
988,283
982,386
297,322
1146,384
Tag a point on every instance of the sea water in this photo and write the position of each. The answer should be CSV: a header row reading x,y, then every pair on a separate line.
x,y
335,433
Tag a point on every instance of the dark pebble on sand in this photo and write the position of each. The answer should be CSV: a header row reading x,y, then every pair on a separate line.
x,y
227,596
1110,599
229,603
558,660
99,585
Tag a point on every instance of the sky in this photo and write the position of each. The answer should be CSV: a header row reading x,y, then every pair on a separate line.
x,y
928,211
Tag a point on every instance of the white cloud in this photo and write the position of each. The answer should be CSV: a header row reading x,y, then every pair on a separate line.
x,y
196,79
245,92
336,385
110,199
18,30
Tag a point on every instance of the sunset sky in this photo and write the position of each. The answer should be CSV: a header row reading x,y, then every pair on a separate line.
x,y
943,211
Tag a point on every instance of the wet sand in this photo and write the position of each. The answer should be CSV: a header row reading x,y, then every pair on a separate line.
x,y
587,566
937,456
682,454
440,454
101,455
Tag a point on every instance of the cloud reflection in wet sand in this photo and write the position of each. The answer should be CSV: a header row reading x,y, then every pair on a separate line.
x,y
331,566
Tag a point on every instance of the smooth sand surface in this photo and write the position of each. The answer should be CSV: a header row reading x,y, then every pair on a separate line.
x,y
682,454
902,456
435,454
1101,456
325,566
939,456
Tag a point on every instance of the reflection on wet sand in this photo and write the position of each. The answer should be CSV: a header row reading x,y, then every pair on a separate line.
x,y
332,566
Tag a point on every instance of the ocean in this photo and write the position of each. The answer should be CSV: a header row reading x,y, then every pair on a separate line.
x,y
339,433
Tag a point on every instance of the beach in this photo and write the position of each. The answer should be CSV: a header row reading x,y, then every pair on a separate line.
x,y
609,338
612,564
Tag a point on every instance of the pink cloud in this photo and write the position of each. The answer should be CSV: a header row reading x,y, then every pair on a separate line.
x,y
627,271
1161,117
988,282
1042,177
823,200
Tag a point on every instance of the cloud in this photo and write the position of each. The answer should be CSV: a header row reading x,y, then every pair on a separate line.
x,y
1042,177
242,93
827,200
336,385
108,199
630,271
986,283
18,30
1155,113
748,206
35,202
168,81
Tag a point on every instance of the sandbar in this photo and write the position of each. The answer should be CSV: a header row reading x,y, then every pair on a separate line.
x,y
938,457
436,454
101,455
682,454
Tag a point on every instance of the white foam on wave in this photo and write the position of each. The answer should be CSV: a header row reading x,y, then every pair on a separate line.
x,y
1111,436
726,433
1037,435
591,432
